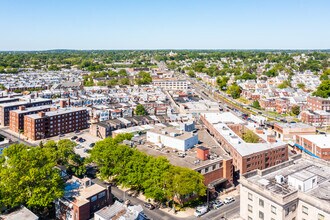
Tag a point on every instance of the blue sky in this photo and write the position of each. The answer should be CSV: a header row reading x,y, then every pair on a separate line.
x,y
164,24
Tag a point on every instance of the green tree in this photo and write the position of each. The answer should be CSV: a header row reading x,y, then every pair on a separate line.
x,y
143,78
124,81
301,85
295,109
284,84
222,82
191,74
140,110
323,90
234,90
27,176
256,104
250,137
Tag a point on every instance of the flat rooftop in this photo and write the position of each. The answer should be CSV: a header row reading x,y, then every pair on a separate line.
x,y
320,140
57,112
293,125
242,147
21,213
225,117
190,160
169,131
76,191
302,169
9,104
38,108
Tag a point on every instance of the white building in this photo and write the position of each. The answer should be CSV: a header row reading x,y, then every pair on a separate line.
x,y
171,84
172,137
296,189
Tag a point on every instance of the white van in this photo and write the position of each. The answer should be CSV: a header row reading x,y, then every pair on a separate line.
x,y
201,210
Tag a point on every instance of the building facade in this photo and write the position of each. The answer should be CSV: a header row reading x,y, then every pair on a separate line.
x,y
5,108
296,189
314,145
171,84
287,131
49,124
318,103
16,122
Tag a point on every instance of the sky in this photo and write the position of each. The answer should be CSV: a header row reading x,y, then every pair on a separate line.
x,y
164,24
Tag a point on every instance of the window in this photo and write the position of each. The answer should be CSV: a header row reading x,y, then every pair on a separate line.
x,y
250,196
320,217
273,209
261,215
94,198
305,210
250,208
101,194
261,202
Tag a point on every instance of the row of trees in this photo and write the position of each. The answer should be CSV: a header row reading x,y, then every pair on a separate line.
x,y
154,176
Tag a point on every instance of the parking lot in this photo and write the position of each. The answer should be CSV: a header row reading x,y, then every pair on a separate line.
x,y
81,147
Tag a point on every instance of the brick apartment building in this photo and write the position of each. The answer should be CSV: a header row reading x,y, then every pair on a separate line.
x,y
267,104
317,103
81,199
5,108
61,121
287,131
246,156
282,105
315,145
316,118
16,122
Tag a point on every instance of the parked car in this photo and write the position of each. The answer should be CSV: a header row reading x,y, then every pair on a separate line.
x,y
217,204
201,210
77,132
61,135
149,206
228,200
92,145
82,140
74,138
132,193
128,202
78,139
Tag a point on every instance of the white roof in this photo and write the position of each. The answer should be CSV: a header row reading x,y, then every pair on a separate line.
x,y
225,117
321,140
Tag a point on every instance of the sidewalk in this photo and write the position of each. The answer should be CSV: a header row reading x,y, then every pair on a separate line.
x,y
188,212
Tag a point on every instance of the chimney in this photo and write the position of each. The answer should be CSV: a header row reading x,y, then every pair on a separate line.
x,y
271,138
62,103
203,153
21,108
42,114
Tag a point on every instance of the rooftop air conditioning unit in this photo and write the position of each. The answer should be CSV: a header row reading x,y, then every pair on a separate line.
x,y
279,179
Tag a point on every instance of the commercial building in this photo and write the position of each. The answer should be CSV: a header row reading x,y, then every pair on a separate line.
x,y
287,131
198,107
16,122
20,213
172,137
295,189
318,103
316,118
315,145
228,130
81,199
120,211
5,108
171,84
61,121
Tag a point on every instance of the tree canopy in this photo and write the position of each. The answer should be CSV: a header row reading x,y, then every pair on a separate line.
x,y
234,90
323,90
140,110
154,176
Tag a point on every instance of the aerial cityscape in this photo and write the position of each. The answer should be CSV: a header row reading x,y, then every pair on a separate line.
x,y
174,110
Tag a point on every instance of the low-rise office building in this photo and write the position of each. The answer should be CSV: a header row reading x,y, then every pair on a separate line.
x,y
315,145
5,108
171,84
287,131
61,121
295,189
172,137
246,156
